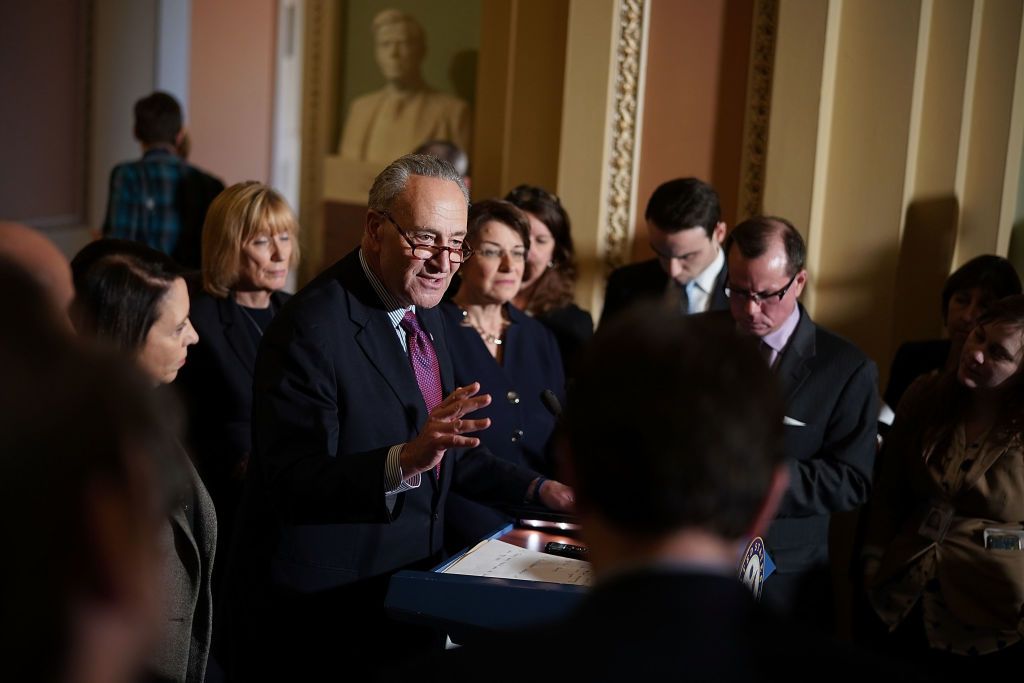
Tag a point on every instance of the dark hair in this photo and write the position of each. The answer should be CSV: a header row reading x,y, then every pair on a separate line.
x,y
988,272
157,119
112,438
94,251
682,204
449,151
674,422
554,289
482,213
117,295
753,237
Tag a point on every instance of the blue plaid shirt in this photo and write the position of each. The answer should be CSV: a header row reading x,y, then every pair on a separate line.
x,y
142,205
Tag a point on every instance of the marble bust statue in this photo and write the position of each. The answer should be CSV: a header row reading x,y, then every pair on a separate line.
x,y
387,123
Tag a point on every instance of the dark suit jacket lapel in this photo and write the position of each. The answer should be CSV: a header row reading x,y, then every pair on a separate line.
x,y
180,520
233,320
512,361
655,280
377,337
719,302
794,367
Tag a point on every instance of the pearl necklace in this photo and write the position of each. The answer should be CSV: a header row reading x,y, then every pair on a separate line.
x,y
487,337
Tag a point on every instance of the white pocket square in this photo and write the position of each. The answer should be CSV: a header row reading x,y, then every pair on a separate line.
x,y
787,420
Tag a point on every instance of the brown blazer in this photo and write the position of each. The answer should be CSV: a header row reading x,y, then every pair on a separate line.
x,y
981,587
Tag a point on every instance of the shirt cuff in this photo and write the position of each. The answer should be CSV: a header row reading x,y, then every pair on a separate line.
x,y
393,481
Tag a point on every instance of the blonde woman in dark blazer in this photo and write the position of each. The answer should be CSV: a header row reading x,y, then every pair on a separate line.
x,y
250,243
944,564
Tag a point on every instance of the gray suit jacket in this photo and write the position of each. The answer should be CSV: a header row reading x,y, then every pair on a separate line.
x,y
188,548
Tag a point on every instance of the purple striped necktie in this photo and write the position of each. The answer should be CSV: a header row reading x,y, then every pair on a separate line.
x,y
424,363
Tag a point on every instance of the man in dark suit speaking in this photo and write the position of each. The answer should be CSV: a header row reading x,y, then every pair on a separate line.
x,y
358,434
685,228
829,389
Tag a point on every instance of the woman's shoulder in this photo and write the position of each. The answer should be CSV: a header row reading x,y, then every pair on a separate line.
x,y
921,395
527,323
203,306
570,319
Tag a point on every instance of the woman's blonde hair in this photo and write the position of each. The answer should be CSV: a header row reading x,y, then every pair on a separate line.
x,y
236,216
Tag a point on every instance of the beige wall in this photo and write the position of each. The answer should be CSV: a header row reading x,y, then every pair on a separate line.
x,y
695,100
123,68
520,78
42,46
895,146
231,87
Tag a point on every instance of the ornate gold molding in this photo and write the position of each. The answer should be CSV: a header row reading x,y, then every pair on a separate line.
x,y
759,105
625,122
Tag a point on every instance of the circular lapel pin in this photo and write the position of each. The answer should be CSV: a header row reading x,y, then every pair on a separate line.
x,y
752,567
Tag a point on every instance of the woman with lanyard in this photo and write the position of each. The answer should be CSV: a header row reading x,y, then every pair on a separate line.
x,y
944,549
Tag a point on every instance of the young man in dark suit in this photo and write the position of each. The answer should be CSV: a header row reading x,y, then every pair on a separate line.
x,y
672,485
358,435
830,391
685,229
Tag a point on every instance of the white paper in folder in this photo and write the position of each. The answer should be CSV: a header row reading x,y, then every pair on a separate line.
x,y
500,560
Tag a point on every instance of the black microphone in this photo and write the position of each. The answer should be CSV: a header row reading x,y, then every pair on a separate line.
x,y
550,401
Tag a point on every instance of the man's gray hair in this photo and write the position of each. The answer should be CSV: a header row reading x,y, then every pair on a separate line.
x,y
393,179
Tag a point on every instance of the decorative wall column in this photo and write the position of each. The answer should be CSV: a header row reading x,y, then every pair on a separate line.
x,y
601,116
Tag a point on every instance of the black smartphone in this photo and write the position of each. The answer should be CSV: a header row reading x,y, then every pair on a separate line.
x,y
576,552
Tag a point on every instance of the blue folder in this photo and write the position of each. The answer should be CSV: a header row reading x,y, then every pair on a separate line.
x,y
464,605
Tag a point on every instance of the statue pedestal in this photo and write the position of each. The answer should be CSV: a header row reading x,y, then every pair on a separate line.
x,y
346,187
349,181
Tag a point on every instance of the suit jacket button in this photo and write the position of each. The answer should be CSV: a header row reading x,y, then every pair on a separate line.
x,y
434,516
512,397
517,435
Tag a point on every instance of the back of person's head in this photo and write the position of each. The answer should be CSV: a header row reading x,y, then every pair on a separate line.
x,y
673,423
682,204
86,478
117,294
238,215
754,236
41,258
158,119
27,302
993,274
449,151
